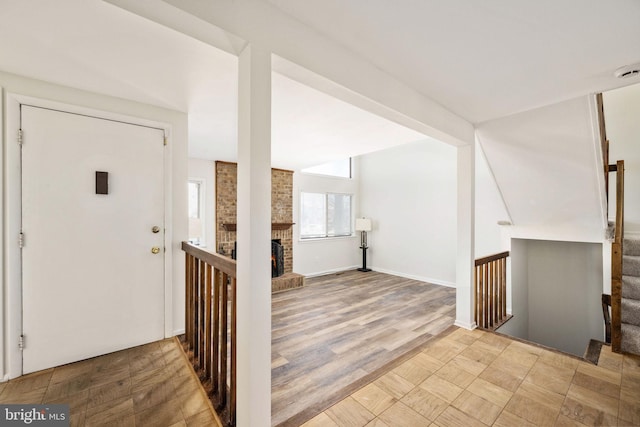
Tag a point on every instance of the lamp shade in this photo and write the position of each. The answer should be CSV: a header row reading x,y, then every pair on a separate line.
x,y
363,224
195,228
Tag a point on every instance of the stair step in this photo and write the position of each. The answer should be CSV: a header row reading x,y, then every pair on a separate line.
x,y
630,265
631,247
631,287
630,339
630,308
630,311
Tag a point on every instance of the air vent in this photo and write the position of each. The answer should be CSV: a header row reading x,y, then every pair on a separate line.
x,y
628,71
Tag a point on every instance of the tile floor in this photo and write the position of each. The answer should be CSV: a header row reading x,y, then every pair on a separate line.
x,y
476,378
150,385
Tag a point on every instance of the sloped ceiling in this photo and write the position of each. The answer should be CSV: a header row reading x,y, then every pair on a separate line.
x,y
548,166
485,59
95,46
622,114
480,60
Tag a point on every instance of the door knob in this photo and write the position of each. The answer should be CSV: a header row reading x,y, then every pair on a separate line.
x,y
155,250
155,229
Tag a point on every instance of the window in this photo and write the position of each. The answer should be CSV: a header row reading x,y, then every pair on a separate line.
x,y
338,168
196,212
325,215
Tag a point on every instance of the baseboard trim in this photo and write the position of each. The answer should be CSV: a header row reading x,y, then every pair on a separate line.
x,y
386,271
332,271
415,277
465,325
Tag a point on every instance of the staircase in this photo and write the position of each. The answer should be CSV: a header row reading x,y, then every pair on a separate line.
x,y
623,326
625,279
630,307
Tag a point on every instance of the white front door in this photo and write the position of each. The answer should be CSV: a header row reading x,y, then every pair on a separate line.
x,y
91,283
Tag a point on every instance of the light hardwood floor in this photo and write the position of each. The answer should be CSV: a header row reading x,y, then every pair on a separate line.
x,y
151,385
341,331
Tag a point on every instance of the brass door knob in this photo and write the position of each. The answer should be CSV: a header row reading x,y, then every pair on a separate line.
x,y
155,229
155,250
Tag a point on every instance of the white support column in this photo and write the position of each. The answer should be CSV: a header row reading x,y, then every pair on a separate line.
x,y
254,237
466,237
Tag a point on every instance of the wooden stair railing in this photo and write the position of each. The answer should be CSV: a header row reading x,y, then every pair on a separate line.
x,y
616,259
604,143
210,326
613,329
490,278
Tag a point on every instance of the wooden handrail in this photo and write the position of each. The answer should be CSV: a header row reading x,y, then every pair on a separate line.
x,y
619,201
613,330
210,292
221,262
490,258
604,143
601,123
490,277
616,262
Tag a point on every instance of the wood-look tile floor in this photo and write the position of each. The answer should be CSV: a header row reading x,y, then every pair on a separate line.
x,y
340,331
150,385
476,378
457,378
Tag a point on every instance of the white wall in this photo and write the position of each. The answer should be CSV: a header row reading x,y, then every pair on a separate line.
x,y
622,118
410,194
176,175
204,170
562,300
490,208
321,256
518,292
548,165
391,178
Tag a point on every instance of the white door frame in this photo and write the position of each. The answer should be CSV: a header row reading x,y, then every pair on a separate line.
x,y
13,218
3,304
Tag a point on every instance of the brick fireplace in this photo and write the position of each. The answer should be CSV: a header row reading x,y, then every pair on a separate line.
x,y
281,217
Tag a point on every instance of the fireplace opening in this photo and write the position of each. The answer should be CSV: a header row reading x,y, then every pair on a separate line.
x,y
277,258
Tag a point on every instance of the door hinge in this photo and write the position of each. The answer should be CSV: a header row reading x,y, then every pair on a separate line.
x,y
166,141
21,342
21,240
20,136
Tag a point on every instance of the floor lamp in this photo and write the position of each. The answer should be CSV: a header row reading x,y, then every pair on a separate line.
x,y
363,225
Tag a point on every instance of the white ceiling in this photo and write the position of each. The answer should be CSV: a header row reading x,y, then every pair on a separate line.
x,y
92,45
481,60
486,59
